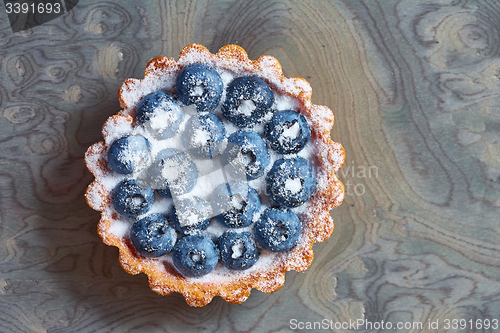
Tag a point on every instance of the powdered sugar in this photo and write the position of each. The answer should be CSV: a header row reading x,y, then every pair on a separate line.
x,y
160,121
293,185
291,132
198,90
246,107
120,228
238,249
200,137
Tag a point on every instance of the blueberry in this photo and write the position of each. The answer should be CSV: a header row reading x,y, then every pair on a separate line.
x,y
160,113
248,100
290,182
131,200
172,173
152,236
195,255
201,85
287,132
128,154
165,192
204,135
191,215
237,250
235,204
246,153
277,230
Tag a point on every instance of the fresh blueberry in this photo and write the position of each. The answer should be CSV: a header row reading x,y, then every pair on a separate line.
x,y
287,132
191,215
277,230
290,182
131,200
150,104
203,135
246,153
172,173
165,192
248,100
237,250
160,113
235,204
195,255
128,154
152,236
201,85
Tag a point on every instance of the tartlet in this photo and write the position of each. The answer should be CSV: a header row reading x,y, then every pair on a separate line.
x,y
266,262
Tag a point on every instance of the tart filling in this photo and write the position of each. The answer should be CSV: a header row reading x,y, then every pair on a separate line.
x,y
217,176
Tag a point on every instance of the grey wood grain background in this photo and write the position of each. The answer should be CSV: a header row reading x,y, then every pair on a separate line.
x,y
415,88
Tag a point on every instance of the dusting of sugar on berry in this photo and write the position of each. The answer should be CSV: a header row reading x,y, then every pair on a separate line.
x,y
238,248
293,185
246,107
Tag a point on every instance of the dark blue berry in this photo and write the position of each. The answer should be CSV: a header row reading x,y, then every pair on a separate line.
x,y
195,255
152,236
191,215
237,250
160,113
235,204
290,182
204,135
277,230
246,153
165,192
287,132
128,154
172,173
132,200
201,85
248,100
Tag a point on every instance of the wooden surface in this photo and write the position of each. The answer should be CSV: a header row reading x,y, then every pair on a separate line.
x,y
415,89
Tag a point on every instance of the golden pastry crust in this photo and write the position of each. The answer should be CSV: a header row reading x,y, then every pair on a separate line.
x,y
317,225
